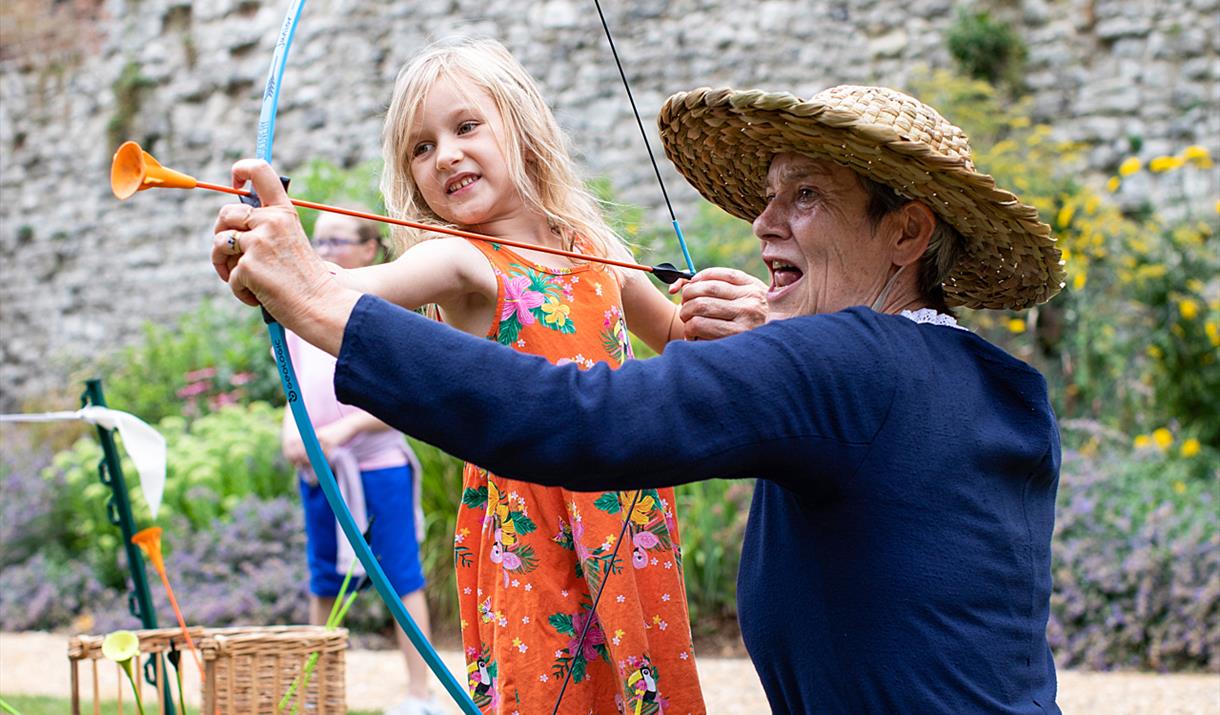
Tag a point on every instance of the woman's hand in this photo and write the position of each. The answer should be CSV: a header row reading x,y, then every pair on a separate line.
x,y
719,302
264,256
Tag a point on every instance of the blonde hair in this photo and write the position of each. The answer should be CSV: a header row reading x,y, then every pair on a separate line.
x,y
535,148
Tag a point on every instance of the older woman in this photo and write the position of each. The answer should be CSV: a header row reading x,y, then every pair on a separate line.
x,y
897,557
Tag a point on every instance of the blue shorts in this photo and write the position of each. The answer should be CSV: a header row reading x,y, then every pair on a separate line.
x,y
388,495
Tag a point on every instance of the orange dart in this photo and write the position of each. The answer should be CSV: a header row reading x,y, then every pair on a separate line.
x,y
134,170
149,541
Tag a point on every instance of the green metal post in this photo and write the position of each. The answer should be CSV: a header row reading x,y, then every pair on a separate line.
x,y
118,508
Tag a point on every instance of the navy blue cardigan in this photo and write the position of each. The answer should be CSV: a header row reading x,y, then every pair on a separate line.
x,y
897,556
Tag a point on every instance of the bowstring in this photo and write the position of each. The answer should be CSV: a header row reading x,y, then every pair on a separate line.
x,y
690,264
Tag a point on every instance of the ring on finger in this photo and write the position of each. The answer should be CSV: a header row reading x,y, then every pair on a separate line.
x,y
234,243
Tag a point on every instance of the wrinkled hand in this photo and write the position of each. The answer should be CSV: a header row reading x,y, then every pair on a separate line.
x,y
263,254
719,302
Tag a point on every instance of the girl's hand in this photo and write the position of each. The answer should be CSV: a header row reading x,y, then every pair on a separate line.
x,y
294,449
333,436
719,302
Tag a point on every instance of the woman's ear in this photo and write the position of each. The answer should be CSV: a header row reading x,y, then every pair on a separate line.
x,y
916,222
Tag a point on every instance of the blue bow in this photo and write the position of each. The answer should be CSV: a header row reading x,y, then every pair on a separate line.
x,y
317,459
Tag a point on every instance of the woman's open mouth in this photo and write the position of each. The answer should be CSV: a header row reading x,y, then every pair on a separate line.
x,y
783,276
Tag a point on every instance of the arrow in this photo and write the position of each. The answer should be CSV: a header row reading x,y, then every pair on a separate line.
x,y
133,170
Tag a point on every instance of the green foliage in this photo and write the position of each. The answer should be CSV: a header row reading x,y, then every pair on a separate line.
x,y
714,237
711,521
986,49
214,461
323,182
215,356
1132,340
128,89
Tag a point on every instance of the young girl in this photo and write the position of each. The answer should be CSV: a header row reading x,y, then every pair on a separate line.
x,y
469,142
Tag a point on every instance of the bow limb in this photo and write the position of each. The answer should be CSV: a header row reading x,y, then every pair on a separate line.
x,y
317,459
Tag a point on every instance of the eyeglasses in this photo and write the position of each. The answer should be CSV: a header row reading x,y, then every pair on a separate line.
x,y
335,243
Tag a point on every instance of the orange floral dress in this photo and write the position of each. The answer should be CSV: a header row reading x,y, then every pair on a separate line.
x,y
530,559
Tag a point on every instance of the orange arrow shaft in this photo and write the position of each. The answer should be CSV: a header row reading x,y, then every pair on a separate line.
x,y
437,229
181,621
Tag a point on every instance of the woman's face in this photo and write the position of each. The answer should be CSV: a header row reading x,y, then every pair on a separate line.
x,y
817,241
336,238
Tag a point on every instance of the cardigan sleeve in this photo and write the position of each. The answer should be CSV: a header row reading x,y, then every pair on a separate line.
x,y
791,401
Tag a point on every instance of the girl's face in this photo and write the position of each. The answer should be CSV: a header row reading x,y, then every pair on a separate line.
x,y
456,158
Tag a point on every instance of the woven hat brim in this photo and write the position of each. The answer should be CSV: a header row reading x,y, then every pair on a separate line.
x,y
723,142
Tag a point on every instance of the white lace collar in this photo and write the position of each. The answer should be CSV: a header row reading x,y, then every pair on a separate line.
x,y
928,315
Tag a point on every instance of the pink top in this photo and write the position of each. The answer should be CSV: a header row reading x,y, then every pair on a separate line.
x,y
316,377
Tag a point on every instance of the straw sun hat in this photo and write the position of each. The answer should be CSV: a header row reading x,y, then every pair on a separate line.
x,y
723,141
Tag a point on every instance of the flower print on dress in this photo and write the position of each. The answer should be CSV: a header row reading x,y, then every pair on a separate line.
x,y
647,526
556,314
531,297
615,337
473,497
481,676
507,518
592,648
592,564
520,301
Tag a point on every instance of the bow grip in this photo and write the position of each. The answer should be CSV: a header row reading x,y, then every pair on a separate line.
x,y
254,201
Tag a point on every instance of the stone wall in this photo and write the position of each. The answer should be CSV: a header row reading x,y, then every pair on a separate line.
x,y
81,272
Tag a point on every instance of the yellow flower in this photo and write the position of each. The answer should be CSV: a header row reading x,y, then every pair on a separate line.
x,y
1163,438
1142,441
1016,325
555,313
1129,167
1213,333
1198,156
1218,206
1154,352
1190,447
1162,164
1179,486
1091,204
1188,308
1065,215
1113,184
1195,152
1079,280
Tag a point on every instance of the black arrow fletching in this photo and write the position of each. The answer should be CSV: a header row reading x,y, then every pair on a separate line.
x,y
668,273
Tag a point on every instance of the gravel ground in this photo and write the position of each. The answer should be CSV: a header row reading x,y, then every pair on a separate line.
x,y
37,664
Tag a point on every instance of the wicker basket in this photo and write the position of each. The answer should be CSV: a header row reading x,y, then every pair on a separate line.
x,y
246,670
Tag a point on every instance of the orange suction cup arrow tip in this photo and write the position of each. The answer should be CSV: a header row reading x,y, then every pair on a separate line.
x,y
134,169
149,540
